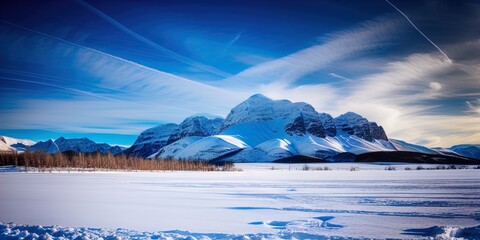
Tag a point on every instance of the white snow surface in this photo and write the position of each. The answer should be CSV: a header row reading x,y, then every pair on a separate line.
x,y
204,148
277,148
256,203
5,147
14,231
404,146
211,147
171,150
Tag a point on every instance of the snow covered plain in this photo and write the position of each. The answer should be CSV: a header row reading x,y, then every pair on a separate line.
x,y
255,203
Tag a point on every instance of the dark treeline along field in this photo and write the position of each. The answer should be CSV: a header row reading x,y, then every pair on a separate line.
x,y
42,161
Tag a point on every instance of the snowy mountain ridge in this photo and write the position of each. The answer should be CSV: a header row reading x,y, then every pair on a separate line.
x,y
74,144
264,130
14,144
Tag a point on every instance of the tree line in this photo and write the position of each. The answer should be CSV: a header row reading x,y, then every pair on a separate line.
x,y
73,161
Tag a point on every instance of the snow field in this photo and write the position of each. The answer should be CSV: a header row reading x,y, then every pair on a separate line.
x,y
257,202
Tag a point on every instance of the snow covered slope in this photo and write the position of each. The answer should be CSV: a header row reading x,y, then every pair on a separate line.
x,y
9,143
409,147
171,150
206,148
5,147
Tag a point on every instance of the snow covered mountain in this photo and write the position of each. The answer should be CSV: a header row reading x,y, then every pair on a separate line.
x,y
14,144
261,129
151,140
198,126
48,146
467,150
75,144
265,130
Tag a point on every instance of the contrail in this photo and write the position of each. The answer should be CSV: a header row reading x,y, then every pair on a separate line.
x,y
232,42
149,42
61,87
410,21
57,78
109,55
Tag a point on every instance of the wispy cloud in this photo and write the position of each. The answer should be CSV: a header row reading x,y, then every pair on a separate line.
x,y
409,97
473,106
140,92
335,47
73,90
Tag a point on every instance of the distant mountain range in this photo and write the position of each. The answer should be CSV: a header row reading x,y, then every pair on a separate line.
x,y
60,145
265,130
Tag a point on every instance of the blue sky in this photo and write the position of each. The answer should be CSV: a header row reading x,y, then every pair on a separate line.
x,y
108,71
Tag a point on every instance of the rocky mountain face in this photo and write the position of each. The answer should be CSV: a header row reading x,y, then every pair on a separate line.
x,y
151,140
77,145
196,126
328,124
48,146
354,124
306,123
377,132
301,119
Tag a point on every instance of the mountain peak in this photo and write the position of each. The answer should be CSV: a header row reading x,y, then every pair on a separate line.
x,y
199,118
354,124
259,96
60,139
48,146
261,108
206,115
160,128
349,115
